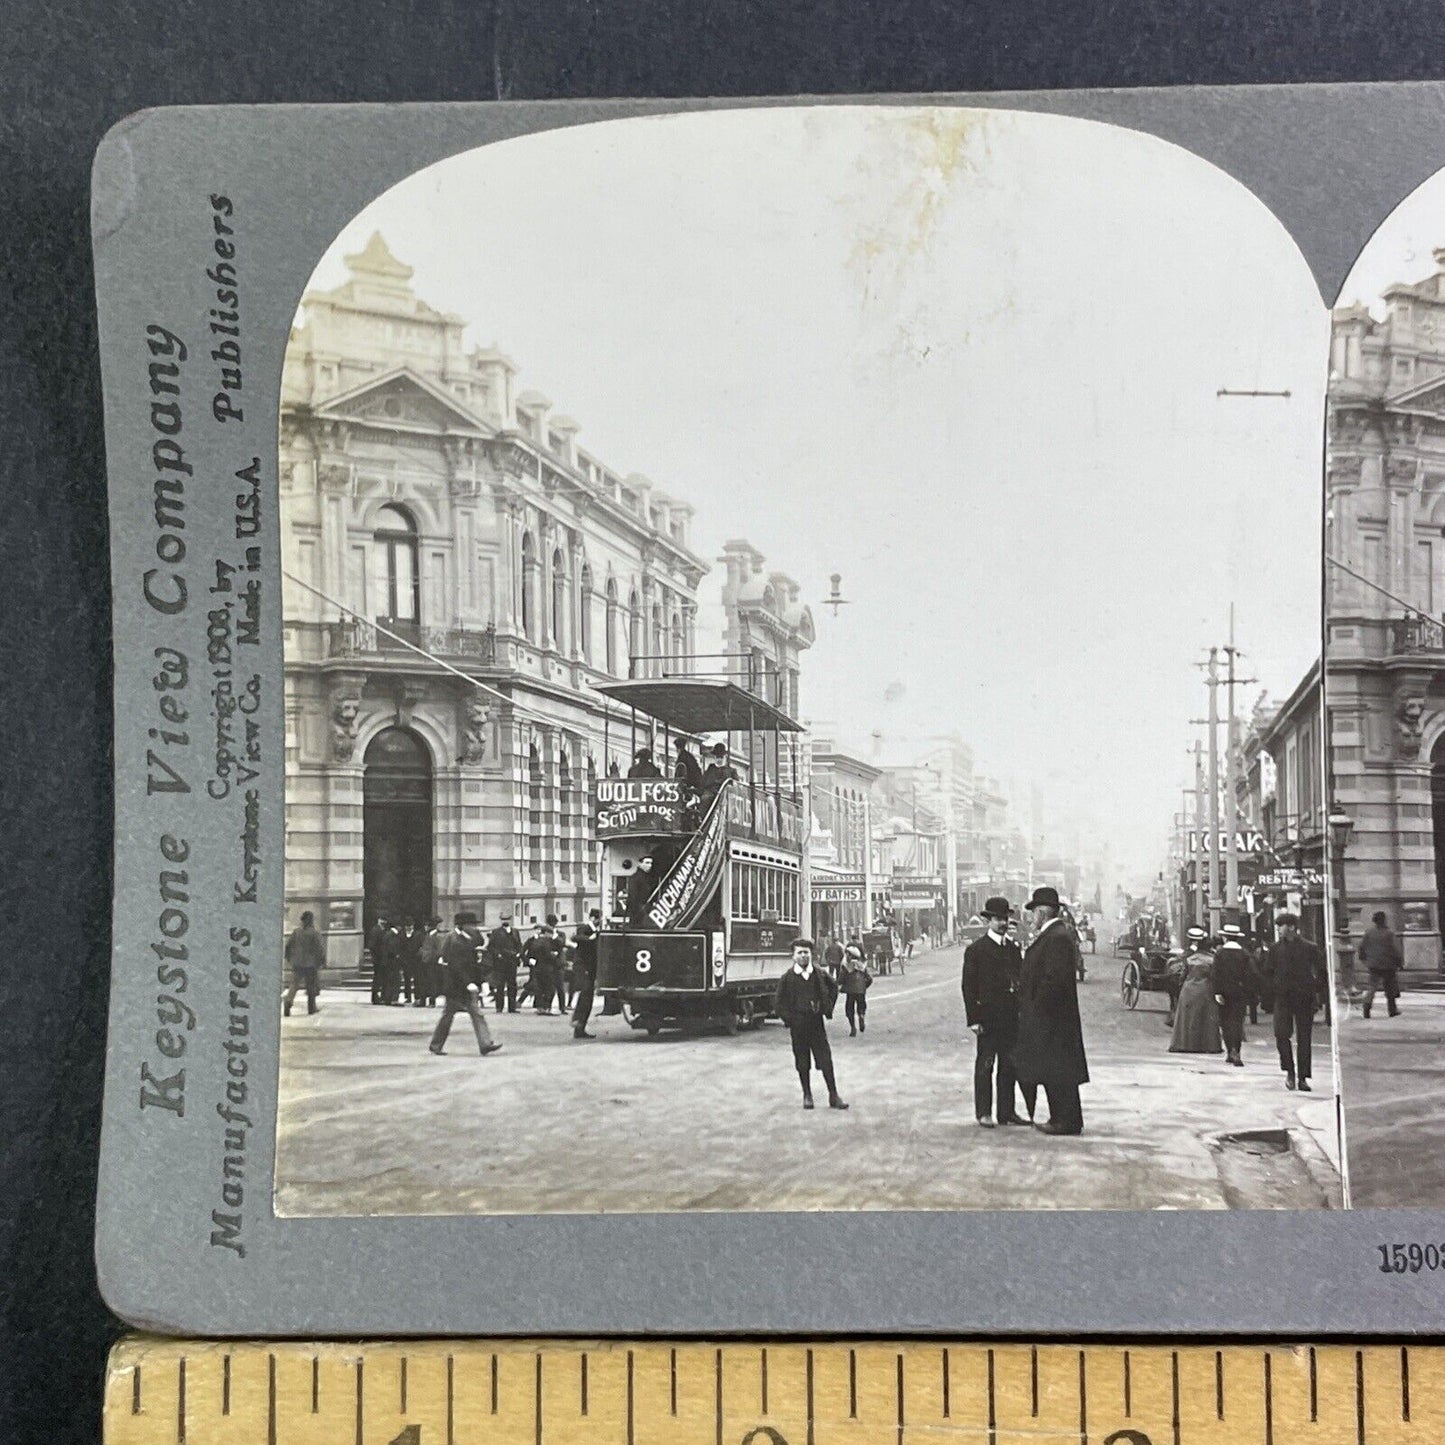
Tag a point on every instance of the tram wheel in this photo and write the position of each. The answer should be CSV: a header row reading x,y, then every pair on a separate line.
x,y
1129,985
744,1015
653,1027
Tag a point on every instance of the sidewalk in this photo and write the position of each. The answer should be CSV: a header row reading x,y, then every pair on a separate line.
x,y
1392,1079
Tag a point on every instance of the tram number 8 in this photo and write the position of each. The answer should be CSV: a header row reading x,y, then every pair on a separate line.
x,y
643,962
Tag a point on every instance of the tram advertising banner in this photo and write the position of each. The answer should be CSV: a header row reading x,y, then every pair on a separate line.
x,y
691,881
623,806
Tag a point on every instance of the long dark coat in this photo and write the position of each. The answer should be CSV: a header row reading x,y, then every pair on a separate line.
x,y
459,952
1050,1047
990,985
1231,973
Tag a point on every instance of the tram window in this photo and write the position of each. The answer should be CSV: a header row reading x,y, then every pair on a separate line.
x,y
758,890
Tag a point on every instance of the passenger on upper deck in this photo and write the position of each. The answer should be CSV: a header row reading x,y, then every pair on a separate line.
x,y
688,770
717,772
643,766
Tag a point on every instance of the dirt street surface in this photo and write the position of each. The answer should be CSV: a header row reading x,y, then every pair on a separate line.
x,y
1394,1093
371,1123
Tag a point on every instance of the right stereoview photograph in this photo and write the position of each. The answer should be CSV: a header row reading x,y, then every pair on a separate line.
x,y
1385,693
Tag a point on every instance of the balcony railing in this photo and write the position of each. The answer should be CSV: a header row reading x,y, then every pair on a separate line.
x,y
355,638
1410,635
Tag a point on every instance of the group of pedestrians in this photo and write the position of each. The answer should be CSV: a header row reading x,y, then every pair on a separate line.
x,y
1220,982
463,968
473,961
1023,1009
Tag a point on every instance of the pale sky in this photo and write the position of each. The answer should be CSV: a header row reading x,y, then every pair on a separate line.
x,y
967,359
1402,248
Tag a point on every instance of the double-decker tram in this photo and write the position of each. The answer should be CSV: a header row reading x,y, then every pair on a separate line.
x,y
704,887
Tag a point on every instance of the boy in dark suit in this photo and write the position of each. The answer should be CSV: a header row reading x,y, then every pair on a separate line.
x,y
805,996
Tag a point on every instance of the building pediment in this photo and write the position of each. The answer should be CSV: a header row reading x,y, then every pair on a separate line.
x,y
1428,396
402,400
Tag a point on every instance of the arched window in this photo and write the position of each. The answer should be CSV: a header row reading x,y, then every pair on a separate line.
x,y
679,646
656,643
564,812
634,631
529,587
584,613
611,643
590,854
559,601
396,544
534,811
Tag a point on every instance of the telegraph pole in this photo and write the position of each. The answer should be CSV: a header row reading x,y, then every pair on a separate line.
x,y
1231,765
1201,824
1216,899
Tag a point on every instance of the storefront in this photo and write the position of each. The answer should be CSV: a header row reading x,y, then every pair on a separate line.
x,y
921,905
1300,891
839,904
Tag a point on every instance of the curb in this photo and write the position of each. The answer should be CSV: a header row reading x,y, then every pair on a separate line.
x,y
1317,1164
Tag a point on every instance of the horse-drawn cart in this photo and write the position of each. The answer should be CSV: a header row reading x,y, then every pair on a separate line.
x,y
881,950
1151,971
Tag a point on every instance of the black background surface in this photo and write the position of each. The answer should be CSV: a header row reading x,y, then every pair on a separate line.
x,y
68,71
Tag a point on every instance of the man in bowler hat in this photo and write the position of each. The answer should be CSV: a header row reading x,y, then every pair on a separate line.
x,y
1050,1048
1298,980
504,952
991,967
462,983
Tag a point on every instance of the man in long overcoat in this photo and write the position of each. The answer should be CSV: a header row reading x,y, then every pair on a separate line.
x,y
1299,983
1050,1048
1380,953
504,952
991,967
461,957
305,957
1231,975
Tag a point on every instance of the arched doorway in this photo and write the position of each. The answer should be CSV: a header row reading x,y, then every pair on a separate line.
x,y
397,827
1437,813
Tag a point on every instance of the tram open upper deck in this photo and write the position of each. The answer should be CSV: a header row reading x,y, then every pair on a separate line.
x,y
704,888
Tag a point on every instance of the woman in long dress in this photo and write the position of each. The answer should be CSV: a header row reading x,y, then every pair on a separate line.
x,y
1196,1020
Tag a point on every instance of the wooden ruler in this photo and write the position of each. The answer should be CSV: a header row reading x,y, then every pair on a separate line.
x,y
469,1392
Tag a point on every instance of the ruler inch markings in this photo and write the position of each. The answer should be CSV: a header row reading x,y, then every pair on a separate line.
x,y
638,1392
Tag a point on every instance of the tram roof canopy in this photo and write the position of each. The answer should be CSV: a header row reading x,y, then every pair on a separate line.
x,y
701,705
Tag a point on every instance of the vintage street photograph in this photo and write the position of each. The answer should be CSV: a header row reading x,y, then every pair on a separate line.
x,y
1385,683
803,678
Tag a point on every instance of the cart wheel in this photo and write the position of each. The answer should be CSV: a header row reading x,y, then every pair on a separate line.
x,y
1129,984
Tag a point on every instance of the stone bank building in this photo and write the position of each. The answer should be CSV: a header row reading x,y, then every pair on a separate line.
x,y
1385,638
426,499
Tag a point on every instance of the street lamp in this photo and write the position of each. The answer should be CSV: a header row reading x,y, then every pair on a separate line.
x,y
1340,823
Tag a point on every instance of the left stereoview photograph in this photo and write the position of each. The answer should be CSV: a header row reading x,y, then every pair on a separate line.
x,y
780,608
